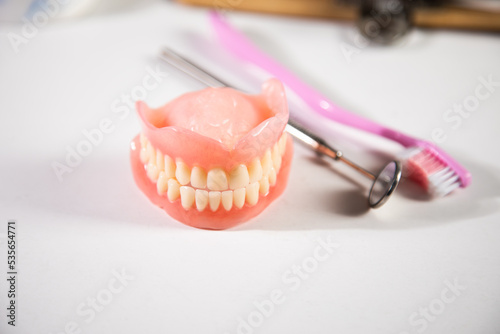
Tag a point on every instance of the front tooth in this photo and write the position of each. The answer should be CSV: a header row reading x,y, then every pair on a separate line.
x,y
255,170
217,179
198,177
264,186
282,144
227,199
160,161
187,197
252,193
214,200
201,199
169,165
272,177
151,153
182,173
144,155
276,158
152,172
267,162
239,197
239,178
173,189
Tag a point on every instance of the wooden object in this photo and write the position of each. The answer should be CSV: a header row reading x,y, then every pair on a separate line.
x,y
430,17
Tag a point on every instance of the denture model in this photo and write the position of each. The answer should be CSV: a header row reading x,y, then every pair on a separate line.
x,y
214,158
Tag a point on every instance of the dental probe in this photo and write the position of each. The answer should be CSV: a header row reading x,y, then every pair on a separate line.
x,y
384,183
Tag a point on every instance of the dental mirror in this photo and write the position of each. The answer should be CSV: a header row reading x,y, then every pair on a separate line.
x,y
384,184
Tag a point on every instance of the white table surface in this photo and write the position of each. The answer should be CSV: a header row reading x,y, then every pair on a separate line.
x,y
391,268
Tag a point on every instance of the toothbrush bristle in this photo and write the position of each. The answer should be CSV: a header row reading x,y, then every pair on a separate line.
x,y
425,168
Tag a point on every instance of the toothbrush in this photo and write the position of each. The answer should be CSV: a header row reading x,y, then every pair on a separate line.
x,y
427,164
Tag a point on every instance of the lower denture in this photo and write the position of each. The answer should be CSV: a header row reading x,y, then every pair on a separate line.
x,y
236,156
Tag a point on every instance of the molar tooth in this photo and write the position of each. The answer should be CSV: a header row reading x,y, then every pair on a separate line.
x,y
239,197
282,143
227,199
214,200
255,170
182,173
239,178
272,177
187,197
169,165
217,179
152,172
162,183
264,186
173,191
201,199
276,158
198,177
160,161
252,193
267,162
151,153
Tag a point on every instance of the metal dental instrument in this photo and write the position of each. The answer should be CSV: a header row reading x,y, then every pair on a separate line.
x,y
384,183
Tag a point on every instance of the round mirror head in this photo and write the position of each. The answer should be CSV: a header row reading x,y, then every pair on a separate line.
x,y
384,184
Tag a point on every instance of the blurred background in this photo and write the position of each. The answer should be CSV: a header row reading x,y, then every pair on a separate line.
x,y
387,18
69,66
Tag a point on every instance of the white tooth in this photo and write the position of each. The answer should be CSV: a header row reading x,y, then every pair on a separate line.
x,y
276,158
239,197
144,155
239,178
267,162
198,177
173,189
182,173
272,177
169,167
151,153
255,170
187,197
264,186
252,193
282,144
160,161
227,199
214,200
152,172
144,140
201,199
162,183
217,179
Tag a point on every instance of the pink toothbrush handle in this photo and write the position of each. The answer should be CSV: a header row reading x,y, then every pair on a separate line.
x,y
242,47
